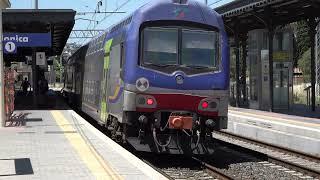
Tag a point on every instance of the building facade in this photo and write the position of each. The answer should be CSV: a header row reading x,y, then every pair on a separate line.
x,y
258,64
5,4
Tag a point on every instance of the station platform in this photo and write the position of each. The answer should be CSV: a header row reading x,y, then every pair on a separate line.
x,y
298,133
59,144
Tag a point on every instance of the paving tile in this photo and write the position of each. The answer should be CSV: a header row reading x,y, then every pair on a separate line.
x,y
51,155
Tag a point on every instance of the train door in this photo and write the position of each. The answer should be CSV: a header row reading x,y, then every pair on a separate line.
x,y
104,83
115,84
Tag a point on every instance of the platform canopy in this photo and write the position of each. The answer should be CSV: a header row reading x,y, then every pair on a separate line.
x,y
56,22
255,14
242,16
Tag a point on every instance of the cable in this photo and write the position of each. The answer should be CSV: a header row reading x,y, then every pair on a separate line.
x,y
154,134
121,6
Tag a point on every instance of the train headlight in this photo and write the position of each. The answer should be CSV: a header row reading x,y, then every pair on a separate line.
x,y
146,101
142,84
141,101
205,105
150,101
209,104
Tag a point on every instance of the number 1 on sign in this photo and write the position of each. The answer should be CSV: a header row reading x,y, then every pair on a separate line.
x,y
10,47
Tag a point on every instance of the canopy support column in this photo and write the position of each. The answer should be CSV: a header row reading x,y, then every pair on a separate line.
x,y
34,78
270,26
2,110
244,68
237,48
270,37
312,34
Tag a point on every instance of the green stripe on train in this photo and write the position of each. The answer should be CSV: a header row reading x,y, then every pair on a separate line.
x,y
104,83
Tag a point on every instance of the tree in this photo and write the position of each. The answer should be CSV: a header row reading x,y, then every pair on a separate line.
x,y
232,64
305,64
58,64
302,41
58,67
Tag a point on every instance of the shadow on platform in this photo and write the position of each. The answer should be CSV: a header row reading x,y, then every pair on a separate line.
x,y
22,166
18,120
52,101
301,110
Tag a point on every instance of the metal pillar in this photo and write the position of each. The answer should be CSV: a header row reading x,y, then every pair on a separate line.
x,y
312,34
317,54
2,111
34,77
61,75
206,1
270,26
236,40
270,37
244,67
36,5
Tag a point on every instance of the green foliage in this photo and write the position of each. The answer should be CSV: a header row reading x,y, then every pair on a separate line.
x,y
58,67
302,53
232,64
304,64
302,40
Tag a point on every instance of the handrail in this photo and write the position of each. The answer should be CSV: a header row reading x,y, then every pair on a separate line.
x,y
308,89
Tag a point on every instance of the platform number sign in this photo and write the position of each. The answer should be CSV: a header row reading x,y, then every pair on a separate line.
x,y
10,47
41,58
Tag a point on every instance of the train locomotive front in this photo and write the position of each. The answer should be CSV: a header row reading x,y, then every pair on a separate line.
x,y
158,80
176,78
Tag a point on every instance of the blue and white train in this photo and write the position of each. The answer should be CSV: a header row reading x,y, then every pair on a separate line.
x,y
158,80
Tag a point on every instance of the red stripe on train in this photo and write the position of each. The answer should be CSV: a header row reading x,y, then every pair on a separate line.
x,y
179,102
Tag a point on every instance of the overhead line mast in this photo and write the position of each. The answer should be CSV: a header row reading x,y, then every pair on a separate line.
x,y
36,5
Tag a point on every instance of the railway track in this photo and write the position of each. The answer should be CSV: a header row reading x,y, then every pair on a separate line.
x,y
179,166
234,158
225,163
295,162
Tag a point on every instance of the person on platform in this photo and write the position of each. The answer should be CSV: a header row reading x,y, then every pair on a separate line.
x,y
25,86
43,85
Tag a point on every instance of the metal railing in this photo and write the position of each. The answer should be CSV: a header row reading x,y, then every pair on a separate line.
x,y
308,90
233,95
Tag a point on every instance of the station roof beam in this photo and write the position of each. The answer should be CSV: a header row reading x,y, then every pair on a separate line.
x,y
59,22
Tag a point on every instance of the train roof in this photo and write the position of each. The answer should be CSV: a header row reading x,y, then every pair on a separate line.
x,y
184,10
83,49
128,19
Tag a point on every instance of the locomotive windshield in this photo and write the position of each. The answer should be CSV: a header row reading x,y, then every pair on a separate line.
x,y
199,48
180,47
160,46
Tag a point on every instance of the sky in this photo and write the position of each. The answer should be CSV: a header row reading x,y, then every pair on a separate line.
x,y
127,6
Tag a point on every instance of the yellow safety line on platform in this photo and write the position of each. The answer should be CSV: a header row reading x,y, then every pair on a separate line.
x,y
89,156
274,118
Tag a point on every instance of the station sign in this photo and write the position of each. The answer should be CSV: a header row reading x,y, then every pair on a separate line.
x,y
41,59
11,41
281,56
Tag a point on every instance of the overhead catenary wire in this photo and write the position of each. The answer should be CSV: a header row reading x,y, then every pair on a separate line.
x,y
115,11
118,8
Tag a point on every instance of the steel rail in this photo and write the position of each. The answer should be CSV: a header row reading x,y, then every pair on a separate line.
x,y
213,170
279,155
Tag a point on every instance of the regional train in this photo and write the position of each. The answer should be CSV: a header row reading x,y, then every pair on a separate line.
x,y
158,80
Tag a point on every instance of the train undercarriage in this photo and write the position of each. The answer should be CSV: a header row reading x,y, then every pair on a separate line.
x,y
177,132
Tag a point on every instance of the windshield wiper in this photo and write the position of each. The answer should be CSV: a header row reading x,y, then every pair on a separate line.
x,y
196,66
